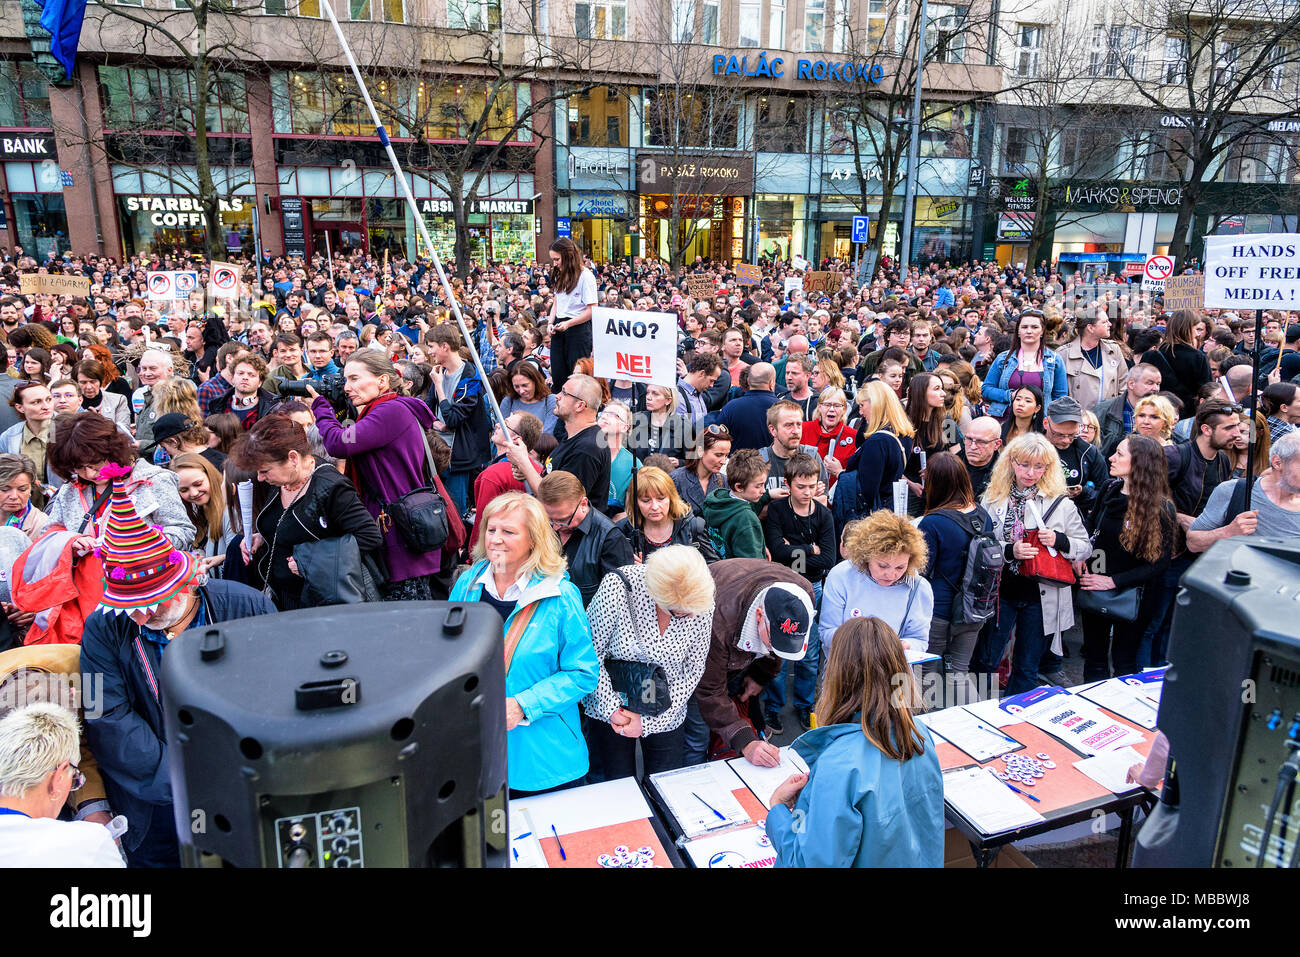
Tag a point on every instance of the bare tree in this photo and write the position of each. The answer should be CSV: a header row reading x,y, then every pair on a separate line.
x,y
1223,72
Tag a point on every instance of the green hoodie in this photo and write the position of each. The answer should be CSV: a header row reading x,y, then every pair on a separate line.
x,y
733,525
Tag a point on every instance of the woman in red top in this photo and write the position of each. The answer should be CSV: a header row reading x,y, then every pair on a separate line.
x,y
830,432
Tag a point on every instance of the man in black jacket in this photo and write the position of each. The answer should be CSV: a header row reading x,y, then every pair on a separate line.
x,y
151,595
592,546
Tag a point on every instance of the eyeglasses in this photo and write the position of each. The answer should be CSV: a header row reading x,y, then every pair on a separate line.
x,y
78,779
571,396
974,441
561,526
834,405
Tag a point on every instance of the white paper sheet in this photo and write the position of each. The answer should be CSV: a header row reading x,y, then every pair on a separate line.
x,y
985,801
525,846
740,847
699,800
915,657
763,781
585,808
1110,769
968,733
989,712
1124,700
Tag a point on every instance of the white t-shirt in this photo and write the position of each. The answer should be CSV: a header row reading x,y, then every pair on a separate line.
x,y
46,842
570,304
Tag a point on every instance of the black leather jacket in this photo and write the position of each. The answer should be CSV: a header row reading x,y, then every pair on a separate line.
x,y
594,549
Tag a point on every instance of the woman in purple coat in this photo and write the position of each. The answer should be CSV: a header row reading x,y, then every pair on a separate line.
x,y
385,460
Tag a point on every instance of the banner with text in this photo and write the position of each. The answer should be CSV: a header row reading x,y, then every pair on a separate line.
x,y
1253,271
1184,292
51,284
641,346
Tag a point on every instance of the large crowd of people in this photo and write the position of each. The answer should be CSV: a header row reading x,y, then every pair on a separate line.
x,y
966,459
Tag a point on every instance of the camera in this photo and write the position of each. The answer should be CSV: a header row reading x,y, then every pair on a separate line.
x,y
330,385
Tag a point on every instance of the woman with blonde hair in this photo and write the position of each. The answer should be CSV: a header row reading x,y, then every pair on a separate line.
x,y
658,517
177,395
1026,492
884,555
873,794
551,665
1090,429
826,374
880,458
202,489
1154,417
973,404
830,432
661,427
659,613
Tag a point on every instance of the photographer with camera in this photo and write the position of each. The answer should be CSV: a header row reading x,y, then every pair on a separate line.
x,y
387,459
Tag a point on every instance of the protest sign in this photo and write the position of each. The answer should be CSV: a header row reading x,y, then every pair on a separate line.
x,y
748,275
701,287
1156,270
171,284
641,346
828,282
1260,271
46,284
223,281
1184,292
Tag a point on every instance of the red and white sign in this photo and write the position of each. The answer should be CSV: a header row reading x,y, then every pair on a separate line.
x,y
641,346
1156,271
223,281
170,284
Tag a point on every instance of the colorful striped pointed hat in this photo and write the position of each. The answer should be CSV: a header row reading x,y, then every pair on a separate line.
x,y
141,568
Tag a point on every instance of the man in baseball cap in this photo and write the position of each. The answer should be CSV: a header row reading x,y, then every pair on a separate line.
x,y
763,615
1085,467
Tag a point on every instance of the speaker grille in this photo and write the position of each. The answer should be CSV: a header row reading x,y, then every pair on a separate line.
x,y
1286,677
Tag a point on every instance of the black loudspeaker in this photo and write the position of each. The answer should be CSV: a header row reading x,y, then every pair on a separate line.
x,y
349,736
1231,704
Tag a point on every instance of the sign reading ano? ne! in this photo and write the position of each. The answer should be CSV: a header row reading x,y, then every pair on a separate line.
x,y
1258,271
641,346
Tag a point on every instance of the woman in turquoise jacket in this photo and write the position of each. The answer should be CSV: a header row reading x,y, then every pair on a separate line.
x,y
1027,362
873,796
550,662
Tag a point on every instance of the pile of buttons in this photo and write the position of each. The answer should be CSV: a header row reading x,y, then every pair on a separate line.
x,y
1024,769
622,857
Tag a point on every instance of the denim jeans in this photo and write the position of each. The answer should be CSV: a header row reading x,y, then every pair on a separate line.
x,y
1025,618
695,747
458,485
806,672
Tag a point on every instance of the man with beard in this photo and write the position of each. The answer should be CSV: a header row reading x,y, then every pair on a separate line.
x,y
152,593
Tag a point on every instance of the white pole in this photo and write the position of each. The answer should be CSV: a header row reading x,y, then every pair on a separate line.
x,y
329,256
914,150
415,213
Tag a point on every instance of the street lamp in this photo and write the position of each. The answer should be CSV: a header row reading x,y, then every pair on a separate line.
x,y
914,147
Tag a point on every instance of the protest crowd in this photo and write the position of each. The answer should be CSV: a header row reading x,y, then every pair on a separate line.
x,y
962,460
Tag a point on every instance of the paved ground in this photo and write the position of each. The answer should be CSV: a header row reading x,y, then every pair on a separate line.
x,y
1087,851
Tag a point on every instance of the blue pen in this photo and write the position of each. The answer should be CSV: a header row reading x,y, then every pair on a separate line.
x,y
1024,793
516,853
721,816
563,857
1004,737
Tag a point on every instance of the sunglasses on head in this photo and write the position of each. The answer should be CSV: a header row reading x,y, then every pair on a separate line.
x,y
718,430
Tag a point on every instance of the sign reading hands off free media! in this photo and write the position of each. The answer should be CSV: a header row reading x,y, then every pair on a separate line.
x,y
1260,271
640,346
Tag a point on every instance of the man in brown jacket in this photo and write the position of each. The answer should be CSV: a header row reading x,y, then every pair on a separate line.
x,y
763,613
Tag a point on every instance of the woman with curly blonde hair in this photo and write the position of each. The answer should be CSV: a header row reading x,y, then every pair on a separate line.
x,y
881,576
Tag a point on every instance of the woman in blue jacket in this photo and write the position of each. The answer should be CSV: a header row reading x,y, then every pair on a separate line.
x,y
550,662
1027,362
873,796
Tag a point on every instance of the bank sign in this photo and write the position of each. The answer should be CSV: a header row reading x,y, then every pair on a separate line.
x,y
183,212
774,67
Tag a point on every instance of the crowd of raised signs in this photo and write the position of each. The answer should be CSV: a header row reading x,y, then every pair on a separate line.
x,y
963,464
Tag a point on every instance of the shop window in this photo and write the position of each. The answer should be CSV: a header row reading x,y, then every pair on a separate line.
x,y
848,131
24,95
598,117
1095,152
949,132
144,98
474,14
307,102
603,20
781,125
1021,151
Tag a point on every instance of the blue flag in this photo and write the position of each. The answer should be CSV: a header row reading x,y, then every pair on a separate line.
x,y
63,19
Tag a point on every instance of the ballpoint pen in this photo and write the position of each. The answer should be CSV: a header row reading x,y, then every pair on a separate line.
x,y
1023,793
720,815
563,856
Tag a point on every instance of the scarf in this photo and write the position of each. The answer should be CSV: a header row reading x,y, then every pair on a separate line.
x,y
350,468
1013,526
826,441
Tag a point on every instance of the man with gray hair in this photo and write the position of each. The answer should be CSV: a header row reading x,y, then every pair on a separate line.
x,y
1275,502
40,745
154,366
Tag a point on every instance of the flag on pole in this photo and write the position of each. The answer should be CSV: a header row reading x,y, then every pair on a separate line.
x,y
63,19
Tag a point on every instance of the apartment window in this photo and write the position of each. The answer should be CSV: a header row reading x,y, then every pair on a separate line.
x,y
1279,58
709,22
751,24
359,10
145,98
1225,65
945,40
24,95
814,26
683,25
842,26
600,21
1255,159
776,24
274,8
473,14
1167,153
1093,152
691,120
1028,44
1021,151
877,23
1097,51
394,11
309,8
1175,63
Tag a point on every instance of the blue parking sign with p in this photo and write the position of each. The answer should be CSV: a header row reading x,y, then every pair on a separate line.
x,y
861,229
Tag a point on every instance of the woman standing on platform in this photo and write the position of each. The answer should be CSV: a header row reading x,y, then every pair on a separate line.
x,y
570,315
873,796
550,662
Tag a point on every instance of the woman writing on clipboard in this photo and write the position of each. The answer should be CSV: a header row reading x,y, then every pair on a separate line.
x,y
570,316
873,794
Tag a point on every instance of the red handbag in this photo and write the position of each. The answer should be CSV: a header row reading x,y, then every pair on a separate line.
x,y
1046,567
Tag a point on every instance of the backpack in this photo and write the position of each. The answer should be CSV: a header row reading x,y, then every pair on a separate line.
x,y
983,573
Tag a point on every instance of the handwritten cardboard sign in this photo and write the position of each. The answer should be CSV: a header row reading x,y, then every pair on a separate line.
x,y
45,284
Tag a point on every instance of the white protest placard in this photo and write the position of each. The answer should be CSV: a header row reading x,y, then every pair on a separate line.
x,y
223,281
798,262
1156,270
641,346
171,284
793,284
1259,271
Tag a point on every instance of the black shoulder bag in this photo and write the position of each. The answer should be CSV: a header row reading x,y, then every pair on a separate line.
x,y
420,515
1115,604
642,687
